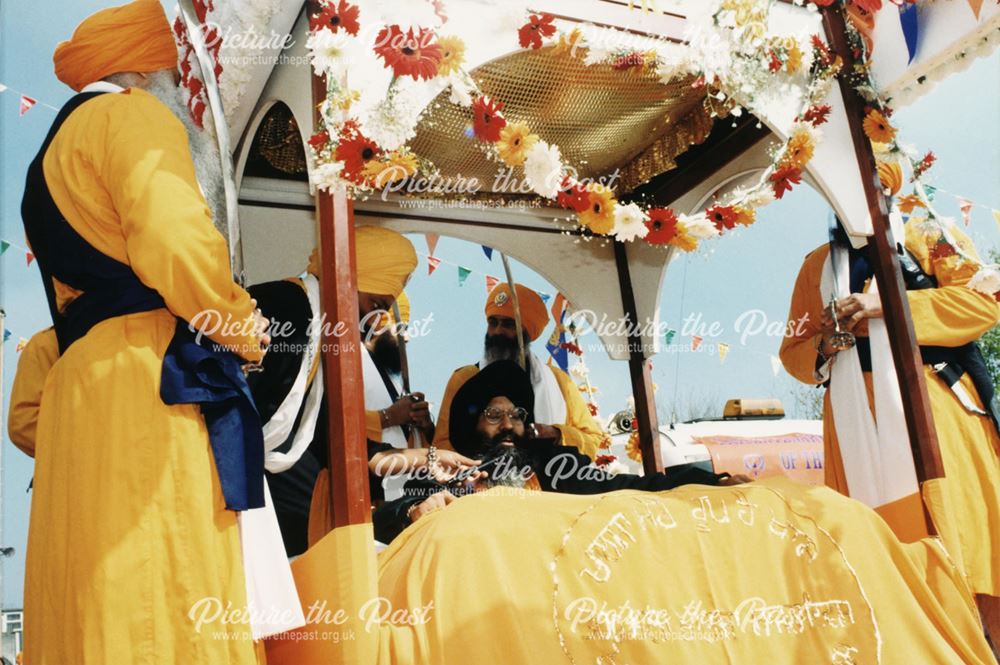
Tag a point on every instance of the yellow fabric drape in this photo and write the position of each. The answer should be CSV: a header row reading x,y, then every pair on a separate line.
x,y
950,315
580,429
128,524
771,572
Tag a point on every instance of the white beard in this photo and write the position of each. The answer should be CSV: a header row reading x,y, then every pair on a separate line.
x,y
204,148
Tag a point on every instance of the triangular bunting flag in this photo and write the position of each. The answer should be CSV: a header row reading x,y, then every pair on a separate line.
x,y
976,5
26,104
930,191
3,88
668,337
432,263
910,22
996,217
966,207
21,343
723,351
4,246
488,251
775,365
491,283
29,257
544,296
695,342
463,274
6,334
432,242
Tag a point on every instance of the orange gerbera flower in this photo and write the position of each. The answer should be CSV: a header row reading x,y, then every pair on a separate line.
x,y
877,127
397,166
452,54
800,149
599,216
633,449
515,141
684,241
745,216
408,54
909,202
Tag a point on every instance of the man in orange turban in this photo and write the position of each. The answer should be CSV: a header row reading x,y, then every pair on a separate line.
x,y
138,489
560,411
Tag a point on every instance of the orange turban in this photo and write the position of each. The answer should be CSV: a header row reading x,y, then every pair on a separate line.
x,y
386,260
131,38
534,316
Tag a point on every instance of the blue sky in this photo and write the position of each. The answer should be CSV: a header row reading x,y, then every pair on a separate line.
x,y
750,270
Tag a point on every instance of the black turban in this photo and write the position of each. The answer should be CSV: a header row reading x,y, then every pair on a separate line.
x,y
501,378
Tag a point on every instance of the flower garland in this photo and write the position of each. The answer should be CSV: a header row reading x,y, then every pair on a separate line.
x,y
732,58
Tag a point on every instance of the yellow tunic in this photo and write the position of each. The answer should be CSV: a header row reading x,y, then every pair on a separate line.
x,y
580,429
33,366
128,526
950,315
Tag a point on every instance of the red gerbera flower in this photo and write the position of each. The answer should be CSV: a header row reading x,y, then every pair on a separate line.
x,y
572,195
817,114
487,122
724,217
604,460
662,225
784,178
319,140
823,3
920,169
775,63
942,249
417,56
868,5
531,33
593,411
355,150
572,348
335,17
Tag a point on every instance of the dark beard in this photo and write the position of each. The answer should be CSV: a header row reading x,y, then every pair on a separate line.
x,y
501,347
513,464
385,353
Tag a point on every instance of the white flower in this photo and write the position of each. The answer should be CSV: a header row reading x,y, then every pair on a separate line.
x,y
328,52
326,176
543,169
597,55
407,14
579,371
698,226
461,90
629,223
393,121
762,197
987,280
616,467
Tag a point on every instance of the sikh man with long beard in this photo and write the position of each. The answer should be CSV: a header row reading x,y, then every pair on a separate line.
x,y
140,465
289,390
492,422
559,408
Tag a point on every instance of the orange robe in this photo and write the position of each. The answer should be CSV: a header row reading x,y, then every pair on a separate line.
x,y
950,315
128,525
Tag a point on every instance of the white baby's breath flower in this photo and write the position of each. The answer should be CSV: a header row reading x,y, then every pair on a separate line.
x,y
326,176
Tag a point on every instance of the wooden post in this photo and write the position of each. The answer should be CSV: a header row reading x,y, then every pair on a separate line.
x,y
340,341
882,249
642,382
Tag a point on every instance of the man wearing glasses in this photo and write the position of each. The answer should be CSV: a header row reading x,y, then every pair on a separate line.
x,y
492,421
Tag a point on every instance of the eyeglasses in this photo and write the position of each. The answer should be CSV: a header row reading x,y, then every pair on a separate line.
x,y
494,415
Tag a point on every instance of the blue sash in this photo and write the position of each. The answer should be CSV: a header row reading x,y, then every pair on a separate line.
x,y
193,373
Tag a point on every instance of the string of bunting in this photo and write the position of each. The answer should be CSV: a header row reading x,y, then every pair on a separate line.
x,y
27,102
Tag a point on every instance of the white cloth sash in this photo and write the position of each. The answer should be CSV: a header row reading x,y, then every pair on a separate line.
x,y
876,451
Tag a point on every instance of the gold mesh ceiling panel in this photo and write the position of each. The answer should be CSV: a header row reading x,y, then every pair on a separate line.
x,y
601,118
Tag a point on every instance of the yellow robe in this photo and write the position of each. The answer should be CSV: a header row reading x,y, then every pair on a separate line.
x,y
33,366
128,524
580,429
950,315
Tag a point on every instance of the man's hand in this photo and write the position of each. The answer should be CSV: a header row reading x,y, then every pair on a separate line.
x,y
738,479
856,307
436,502
391,462
408,411
261,325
